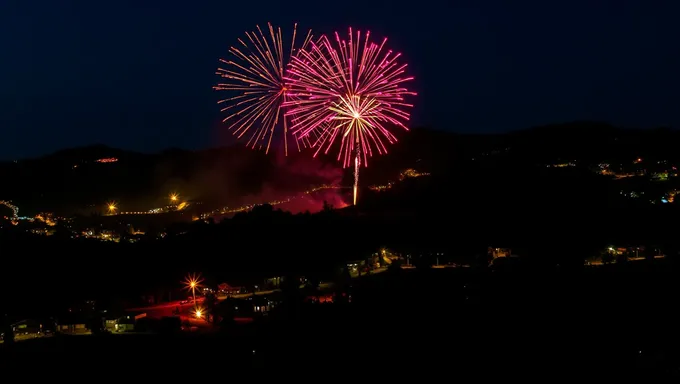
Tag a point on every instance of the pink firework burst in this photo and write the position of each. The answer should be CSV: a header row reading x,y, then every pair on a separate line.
x,y
255,78
352,92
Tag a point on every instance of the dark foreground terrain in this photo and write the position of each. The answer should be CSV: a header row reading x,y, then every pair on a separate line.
x,y
617,322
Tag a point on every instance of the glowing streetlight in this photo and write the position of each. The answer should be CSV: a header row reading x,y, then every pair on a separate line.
x,y
193,285
174,197
192,282
112,208
199,313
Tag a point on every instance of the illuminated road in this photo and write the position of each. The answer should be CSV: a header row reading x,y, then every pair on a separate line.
x,y
186,309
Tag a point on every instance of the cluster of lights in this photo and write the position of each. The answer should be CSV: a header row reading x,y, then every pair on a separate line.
x,y
563,165
411,173
14,208
107,160
632,194
227,210
662,176
46,218
405,174
606,170
107,235
149,212
113,208
670,196
603,169
380,188
619,176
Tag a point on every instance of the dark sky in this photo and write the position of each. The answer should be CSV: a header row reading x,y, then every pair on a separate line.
x,y
138,74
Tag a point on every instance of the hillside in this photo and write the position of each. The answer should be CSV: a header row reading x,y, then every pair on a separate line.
x,y
83,179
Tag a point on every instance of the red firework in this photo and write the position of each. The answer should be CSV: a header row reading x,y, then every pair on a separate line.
x,y
351,91
255,76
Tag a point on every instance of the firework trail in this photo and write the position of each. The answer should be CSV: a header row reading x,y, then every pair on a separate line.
x,y
255,74
352,92
357,164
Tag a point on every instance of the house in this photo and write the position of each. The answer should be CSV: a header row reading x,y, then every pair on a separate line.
x,y
262,304
28,328
73,324
320,298
110,324
273,282
236,308
502,257
125,324
226,289
499,252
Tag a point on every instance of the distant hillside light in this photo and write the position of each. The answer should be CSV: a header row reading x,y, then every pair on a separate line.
x,y
107,160
112,208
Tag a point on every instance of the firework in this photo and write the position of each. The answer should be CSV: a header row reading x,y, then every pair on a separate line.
x,y
351,92
255,77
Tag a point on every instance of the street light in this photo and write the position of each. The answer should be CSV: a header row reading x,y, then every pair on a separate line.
x,y
193,290
112,208
191,282
174,197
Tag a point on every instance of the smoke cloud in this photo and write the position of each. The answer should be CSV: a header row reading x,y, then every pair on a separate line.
x,y
291,176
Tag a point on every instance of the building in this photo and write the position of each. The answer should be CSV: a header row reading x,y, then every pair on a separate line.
x,y
273,282
125,324
27,329
501,257
110,324
320,298
73,325
263,304
495,253
226,289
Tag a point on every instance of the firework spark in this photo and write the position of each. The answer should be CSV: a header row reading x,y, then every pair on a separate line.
x,y
255,75
352,92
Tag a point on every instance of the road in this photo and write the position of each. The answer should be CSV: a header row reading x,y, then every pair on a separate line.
x,y
186,310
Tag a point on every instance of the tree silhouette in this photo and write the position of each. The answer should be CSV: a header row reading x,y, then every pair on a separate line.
x,y
210,304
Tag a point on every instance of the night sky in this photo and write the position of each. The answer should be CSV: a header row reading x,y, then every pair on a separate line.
x,y
138,74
